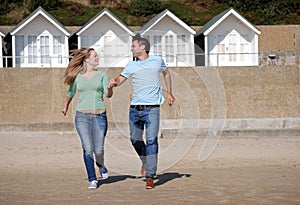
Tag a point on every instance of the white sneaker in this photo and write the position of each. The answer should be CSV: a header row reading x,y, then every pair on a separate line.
x,y
93,184
103,172
104,175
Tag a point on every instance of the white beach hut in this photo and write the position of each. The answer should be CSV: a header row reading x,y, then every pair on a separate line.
x,y
170,38
109,36
228,39
1,48
39,41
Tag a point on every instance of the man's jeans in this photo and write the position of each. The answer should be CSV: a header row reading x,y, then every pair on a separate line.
x,y
92,129
149,119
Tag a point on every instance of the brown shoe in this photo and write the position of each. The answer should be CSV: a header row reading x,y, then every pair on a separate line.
x,y
143,170
149,183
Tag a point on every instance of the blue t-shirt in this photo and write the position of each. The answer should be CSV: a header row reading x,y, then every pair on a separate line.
x,y
145,76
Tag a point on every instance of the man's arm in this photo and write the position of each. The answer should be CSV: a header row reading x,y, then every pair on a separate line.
x,y
167,78
116,82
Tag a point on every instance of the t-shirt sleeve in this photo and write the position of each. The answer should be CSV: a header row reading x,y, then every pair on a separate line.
x,y
127,70
163,65
72,90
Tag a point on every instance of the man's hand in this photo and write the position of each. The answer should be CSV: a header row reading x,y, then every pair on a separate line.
x,y
170,99
111,84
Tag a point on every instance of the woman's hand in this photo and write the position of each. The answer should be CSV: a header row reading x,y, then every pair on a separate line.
x,y
65,110
67,103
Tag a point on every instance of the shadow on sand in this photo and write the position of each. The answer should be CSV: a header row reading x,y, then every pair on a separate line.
x,y
113,179
166,177
160,179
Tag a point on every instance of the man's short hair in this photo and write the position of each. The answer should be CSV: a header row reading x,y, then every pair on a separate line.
x,y
142,41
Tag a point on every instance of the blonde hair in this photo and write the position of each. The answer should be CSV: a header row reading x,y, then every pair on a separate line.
x,y
77,64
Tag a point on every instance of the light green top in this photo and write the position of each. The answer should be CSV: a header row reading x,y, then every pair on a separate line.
x,y
90,91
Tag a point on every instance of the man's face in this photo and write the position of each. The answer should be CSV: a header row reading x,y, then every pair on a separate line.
x,y
136,49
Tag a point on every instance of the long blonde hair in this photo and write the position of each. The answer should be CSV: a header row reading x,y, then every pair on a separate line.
x,y
77,64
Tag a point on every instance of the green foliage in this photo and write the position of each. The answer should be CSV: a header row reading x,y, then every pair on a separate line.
x,y
3,8
6,6
144,8
95,2
73,14
192,17
7,21
258,12
265,11
45,4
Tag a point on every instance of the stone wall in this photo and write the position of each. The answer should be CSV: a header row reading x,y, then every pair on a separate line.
x,y
33,97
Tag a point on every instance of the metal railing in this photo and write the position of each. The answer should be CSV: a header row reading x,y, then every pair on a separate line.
x,y
246,59
198,59
35,61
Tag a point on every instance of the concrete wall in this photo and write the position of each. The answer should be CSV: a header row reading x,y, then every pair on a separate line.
x,y
279,38
32,97
279,44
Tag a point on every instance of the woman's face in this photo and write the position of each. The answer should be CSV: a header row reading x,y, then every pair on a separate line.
x,y
93,59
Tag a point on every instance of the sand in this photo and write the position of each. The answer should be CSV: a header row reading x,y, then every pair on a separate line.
x,y
47,168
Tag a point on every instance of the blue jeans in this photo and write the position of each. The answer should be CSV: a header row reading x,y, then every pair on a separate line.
x,y
138,121
92,129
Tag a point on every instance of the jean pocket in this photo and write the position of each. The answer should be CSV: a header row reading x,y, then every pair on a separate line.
x,y
102,115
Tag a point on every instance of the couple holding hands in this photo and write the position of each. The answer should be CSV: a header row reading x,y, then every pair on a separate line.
x,y
144,112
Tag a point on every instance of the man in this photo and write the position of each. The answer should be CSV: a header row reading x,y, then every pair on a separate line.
x,y
147,96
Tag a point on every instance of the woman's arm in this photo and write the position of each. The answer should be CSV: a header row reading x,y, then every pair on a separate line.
x,y
109,92
66,107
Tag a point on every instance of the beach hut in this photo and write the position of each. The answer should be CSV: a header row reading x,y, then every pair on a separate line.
x,y
228,39
170,38
109,36
39,41
1,48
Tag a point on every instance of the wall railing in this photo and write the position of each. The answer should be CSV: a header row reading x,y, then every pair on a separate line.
x,y
201,59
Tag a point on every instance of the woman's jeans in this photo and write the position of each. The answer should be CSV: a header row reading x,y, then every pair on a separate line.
x,y
92,129
149,119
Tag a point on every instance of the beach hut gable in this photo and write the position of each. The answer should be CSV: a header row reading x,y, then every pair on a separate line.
x,y
39,41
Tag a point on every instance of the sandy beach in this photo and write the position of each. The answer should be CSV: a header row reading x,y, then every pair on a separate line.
x,y
47,168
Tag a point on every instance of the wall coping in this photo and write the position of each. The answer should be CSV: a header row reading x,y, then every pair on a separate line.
x,y
182,127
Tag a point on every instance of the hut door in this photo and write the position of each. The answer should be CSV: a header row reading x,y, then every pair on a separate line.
x,y
44,50
38,51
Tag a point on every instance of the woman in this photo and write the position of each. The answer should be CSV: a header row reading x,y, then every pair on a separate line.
x,y
90,118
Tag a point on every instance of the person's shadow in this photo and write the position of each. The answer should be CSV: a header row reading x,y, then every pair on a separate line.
x,y
113,179
164,178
